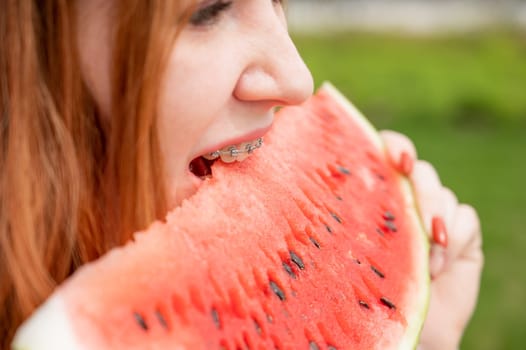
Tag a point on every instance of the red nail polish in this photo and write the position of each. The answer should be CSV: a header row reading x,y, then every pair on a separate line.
x,y
406,163
439,232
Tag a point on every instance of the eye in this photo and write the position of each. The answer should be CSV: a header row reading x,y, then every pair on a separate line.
x,y
208,14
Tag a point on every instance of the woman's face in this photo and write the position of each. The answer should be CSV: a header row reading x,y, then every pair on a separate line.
x,y
231,66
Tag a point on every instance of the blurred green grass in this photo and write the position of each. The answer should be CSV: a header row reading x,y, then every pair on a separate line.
x,y
462,100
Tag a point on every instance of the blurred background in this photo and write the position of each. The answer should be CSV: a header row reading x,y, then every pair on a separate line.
x,y
452,76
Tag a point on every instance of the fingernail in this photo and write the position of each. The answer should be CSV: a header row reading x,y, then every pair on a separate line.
x,y
406,163
439,232
437,261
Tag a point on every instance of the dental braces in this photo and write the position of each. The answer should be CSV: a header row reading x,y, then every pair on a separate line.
x,y
233,151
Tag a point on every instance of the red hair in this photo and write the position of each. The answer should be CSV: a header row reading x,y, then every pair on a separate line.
x,y
71,185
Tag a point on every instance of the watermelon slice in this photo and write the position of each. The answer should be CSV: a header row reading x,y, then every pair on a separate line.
x,y
313,242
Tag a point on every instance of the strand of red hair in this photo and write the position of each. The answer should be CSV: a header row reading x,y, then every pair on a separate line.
x,y
73,185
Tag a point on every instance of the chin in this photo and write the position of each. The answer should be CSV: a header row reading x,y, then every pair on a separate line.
x,y
182,188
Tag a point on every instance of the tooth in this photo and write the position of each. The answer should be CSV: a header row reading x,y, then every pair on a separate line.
x,y
229,154
242,149
212,155
238,152
242,146
242,156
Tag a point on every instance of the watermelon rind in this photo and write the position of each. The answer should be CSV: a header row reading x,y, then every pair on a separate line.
x,y
49,329
422,304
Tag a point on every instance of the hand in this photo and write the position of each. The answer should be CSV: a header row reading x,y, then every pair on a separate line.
x,y
456,257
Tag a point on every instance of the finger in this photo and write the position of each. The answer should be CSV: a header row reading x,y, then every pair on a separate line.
x,y
453,299
433,199
425,178
455,289
442,215
449,208
465,241
429,192
465,237
400,150
458,285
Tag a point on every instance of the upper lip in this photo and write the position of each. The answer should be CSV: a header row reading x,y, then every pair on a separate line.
x,y
250,136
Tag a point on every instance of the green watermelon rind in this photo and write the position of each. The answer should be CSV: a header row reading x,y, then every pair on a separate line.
x,y
411,335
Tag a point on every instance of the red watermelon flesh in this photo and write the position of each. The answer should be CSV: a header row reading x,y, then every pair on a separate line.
x,y
313,242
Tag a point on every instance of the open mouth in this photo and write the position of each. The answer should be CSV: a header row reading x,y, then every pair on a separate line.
x,y
202,165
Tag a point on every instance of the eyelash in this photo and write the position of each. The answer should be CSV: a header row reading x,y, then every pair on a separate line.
x,y
208,14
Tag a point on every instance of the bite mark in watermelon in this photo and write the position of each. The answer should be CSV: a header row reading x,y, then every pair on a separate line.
x,y
314,242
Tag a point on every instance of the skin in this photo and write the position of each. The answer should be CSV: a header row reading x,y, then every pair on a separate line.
x,y
224,80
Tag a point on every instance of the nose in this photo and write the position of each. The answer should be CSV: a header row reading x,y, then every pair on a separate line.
x,y
275,71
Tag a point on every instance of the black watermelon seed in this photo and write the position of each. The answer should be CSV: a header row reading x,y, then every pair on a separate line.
x,y
380,232
344,170
377,272
364,304
313,346
357,261
277,290
391,226
388,303
297,260
328,228
140,321
161,319
316,244
389,216
215,317
288,268
336,217
339,198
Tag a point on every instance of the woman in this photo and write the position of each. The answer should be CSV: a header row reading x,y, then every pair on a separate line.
x,y
100,99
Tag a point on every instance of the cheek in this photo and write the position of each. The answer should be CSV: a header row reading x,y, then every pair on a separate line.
x,y
195,92
175,126
181,118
